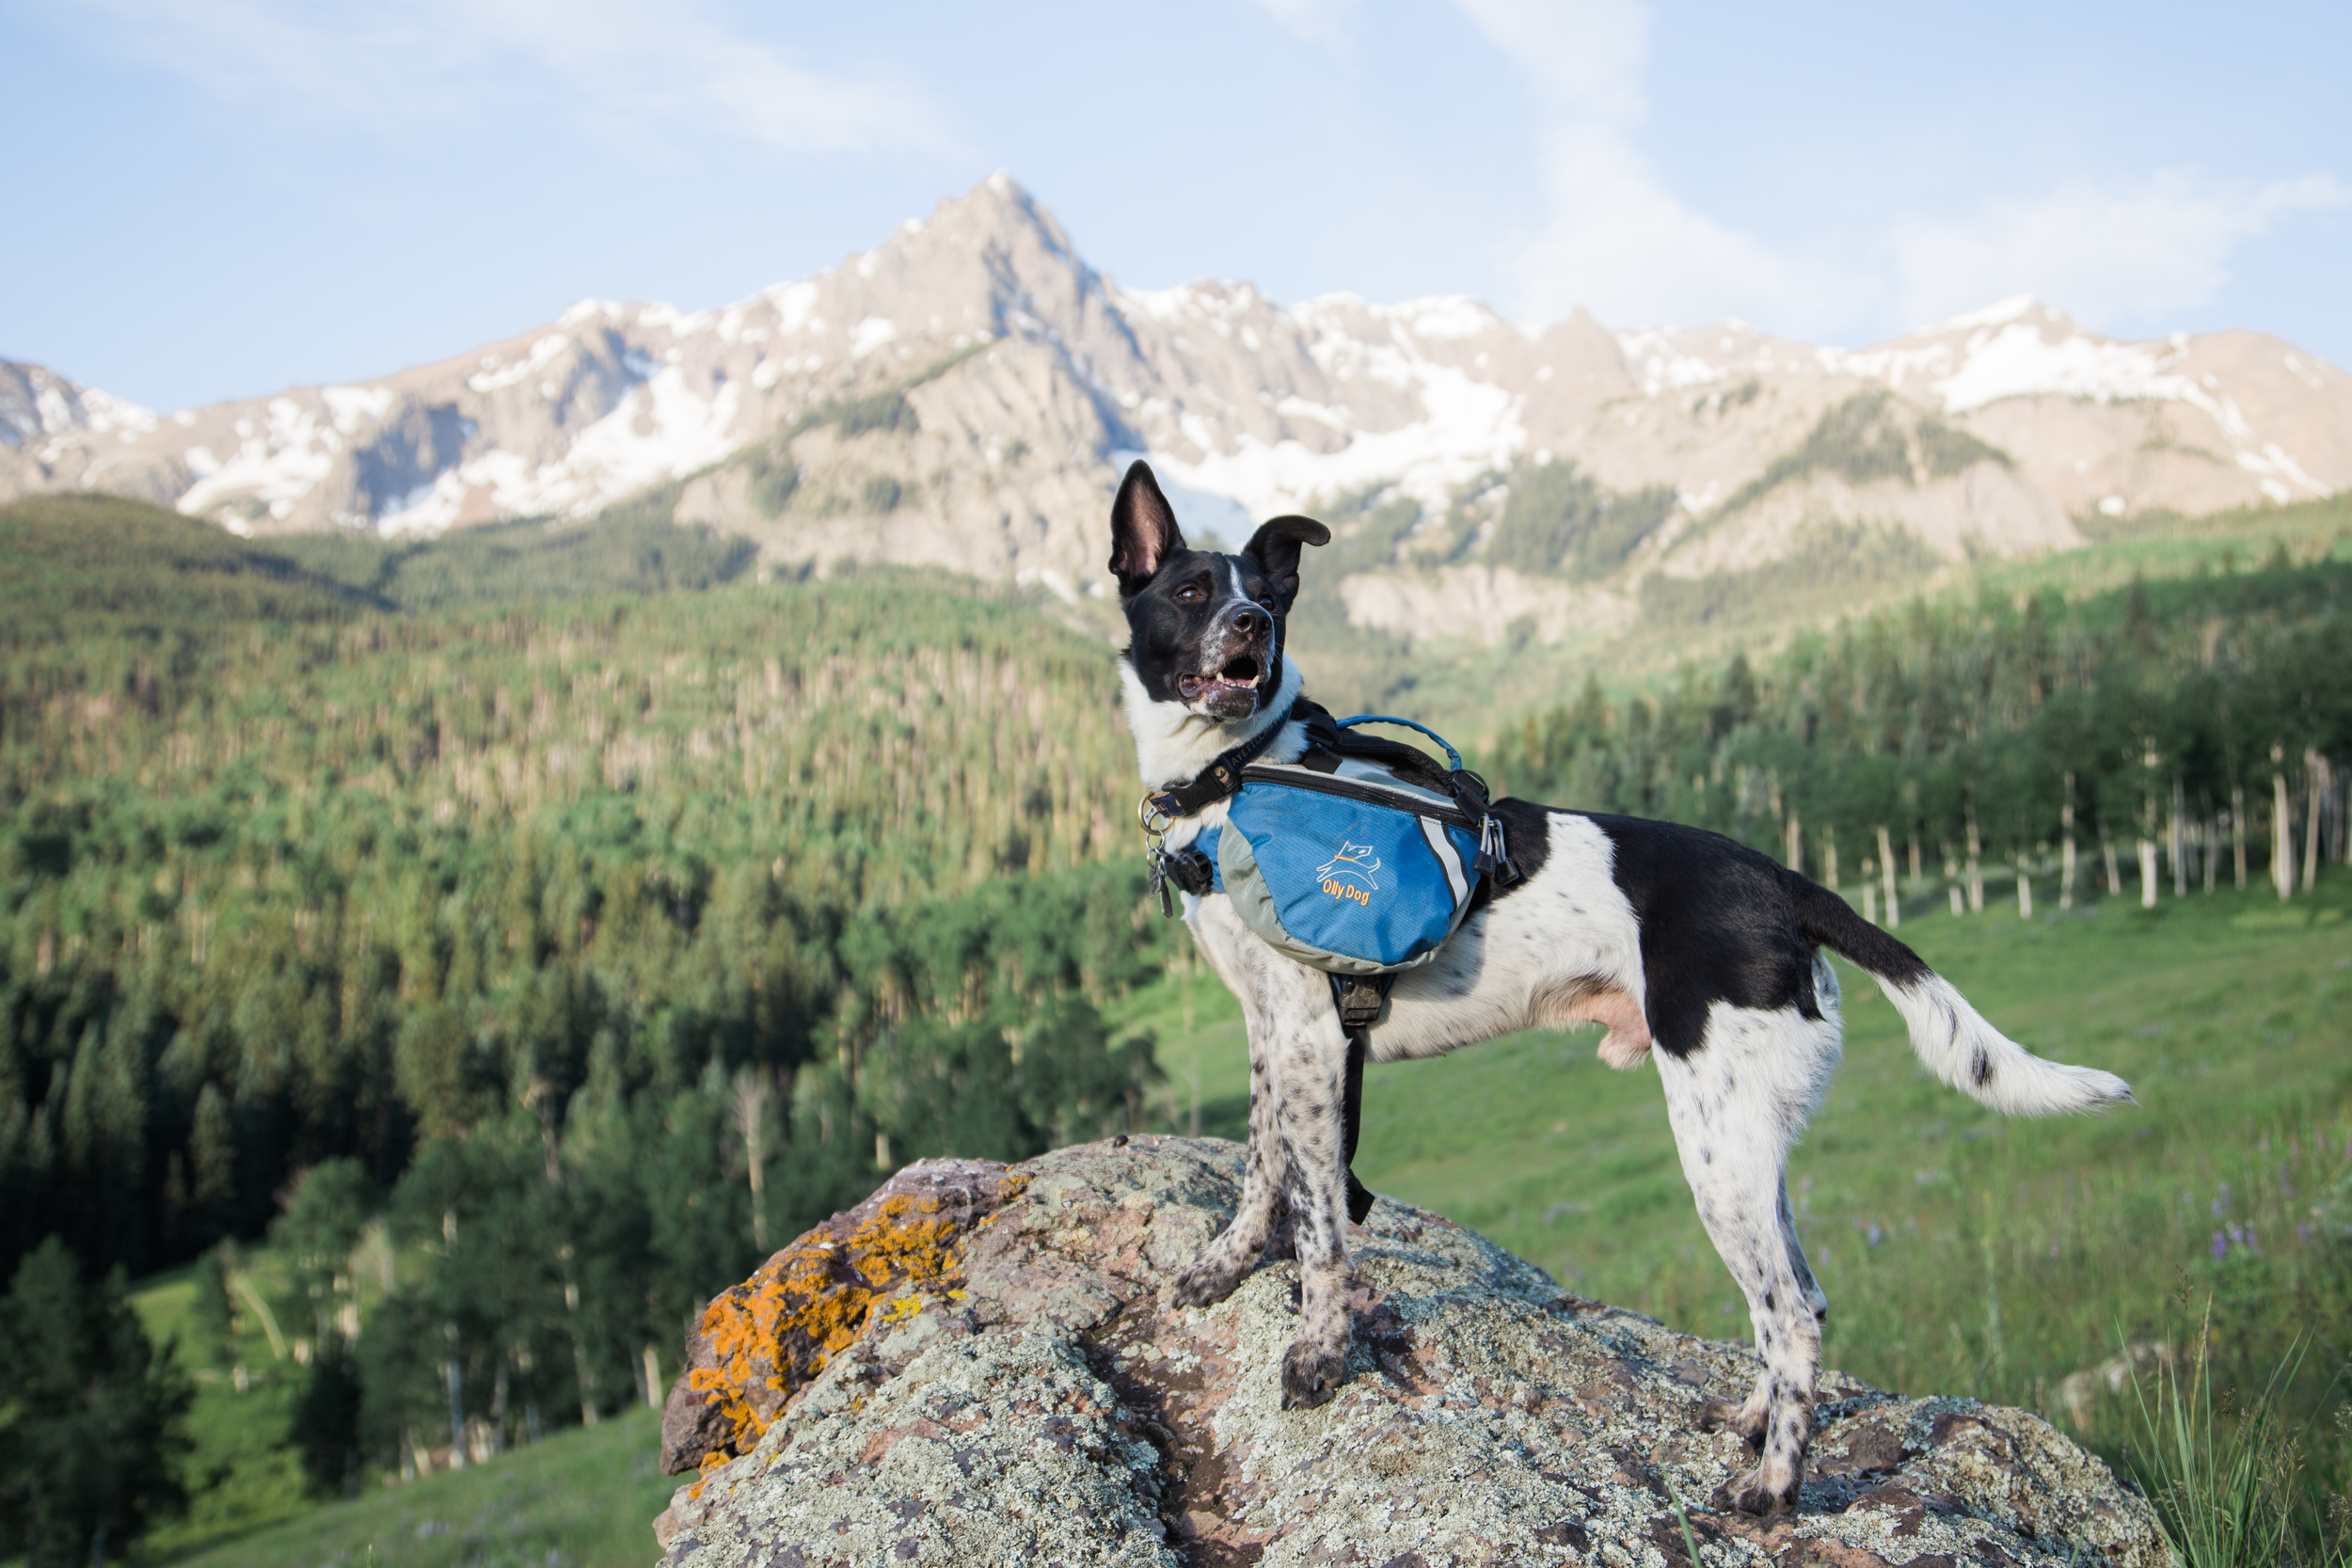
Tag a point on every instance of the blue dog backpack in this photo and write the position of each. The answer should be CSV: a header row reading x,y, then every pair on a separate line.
x,y
1353,870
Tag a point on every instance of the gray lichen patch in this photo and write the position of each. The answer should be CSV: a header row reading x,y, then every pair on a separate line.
x,y
1064,1412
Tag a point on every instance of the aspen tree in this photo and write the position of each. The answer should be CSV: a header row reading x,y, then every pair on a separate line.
x,y
2066,864
2282,827
1886,877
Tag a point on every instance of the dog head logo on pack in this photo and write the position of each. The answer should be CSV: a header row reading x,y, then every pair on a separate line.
x,y
1349,873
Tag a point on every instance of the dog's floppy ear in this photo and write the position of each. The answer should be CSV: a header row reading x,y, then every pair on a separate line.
x,y
1274,548
1143,530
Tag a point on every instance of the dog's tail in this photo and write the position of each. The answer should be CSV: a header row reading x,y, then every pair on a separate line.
x,y
1951,1037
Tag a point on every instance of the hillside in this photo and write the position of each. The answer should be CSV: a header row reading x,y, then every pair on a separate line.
x,y
962,394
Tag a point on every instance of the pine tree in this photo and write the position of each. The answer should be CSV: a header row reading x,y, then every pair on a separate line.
x,y
92,1459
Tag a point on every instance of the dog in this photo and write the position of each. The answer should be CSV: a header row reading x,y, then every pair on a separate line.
x,y
1690,949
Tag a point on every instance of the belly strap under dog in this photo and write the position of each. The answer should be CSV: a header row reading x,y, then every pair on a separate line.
x,y
1358,998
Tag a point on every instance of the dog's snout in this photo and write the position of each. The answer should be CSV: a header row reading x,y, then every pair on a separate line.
x,y
1249,620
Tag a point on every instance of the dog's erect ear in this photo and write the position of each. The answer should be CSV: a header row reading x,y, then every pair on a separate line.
x,y
1143,530
1274,548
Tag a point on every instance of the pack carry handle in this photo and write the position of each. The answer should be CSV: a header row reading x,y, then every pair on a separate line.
x,y
1469,790
1452,755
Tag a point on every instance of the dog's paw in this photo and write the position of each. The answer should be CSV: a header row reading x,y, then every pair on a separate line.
x,y
1754,1494
1724,1416
1206,1282
1311,1374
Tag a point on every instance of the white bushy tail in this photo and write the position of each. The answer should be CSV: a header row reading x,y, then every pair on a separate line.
x,y
1951,1037
1961,1048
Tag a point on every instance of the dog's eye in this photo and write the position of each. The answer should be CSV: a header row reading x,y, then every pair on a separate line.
x,y
1266,603
1190,593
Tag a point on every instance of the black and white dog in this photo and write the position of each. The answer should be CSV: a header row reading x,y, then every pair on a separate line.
x,y
1692,949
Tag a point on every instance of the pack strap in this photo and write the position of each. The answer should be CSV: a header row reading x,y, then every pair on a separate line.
x,y
1359,999
1219,781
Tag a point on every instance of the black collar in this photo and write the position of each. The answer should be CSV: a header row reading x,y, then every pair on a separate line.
x,y
1220,780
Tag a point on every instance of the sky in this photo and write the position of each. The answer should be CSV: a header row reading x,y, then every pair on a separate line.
x,y
216,198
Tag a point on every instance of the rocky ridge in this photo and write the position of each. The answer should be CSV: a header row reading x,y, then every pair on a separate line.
x,y
1005,1383
964,395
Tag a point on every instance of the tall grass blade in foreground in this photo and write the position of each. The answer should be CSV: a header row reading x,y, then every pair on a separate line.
x,y
2223,1491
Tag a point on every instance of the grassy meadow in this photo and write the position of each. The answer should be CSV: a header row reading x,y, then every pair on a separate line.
x,y
1962,1252
586,1498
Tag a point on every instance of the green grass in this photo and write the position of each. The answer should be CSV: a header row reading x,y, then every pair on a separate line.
x,y
240,1474
1962,1252
583,1498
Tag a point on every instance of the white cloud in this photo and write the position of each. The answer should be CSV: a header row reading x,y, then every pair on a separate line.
x,y
2133,249
628,68
1323,22
1614,238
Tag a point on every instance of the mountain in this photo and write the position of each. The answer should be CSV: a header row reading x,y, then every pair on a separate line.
x,y
964,396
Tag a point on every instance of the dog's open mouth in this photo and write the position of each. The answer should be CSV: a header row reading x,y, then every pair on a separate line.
x,y
1239,674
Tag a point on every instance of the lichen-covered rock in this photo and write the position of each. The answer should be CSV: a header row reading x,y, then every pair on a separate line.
x,y
1054,1409
758,1342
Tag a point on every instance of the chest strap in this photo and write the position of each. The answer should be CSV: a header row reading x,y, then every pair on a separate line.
x,y
1219,781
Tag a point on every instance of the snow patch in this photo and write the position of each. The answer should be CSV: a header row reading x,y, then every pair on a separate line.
x,y
543,354
1444,317
276,465
870,333
681,431
1996,314
1662,363
349,405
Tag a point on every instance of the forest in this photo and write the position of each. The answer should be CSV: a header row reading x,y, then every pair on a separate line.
x,y
526,944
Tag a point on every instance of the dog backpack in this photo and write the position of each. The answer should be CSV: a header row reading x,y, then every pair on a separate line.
x,y
1360,859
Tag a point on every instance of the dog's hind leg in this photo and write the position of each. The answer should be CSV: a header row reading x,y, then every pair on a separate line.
x,y
1815,1297
1737,1104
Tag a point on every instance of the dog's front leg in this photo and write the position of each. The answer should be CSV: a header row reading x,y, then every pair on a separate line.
x,y
1211,1277
1309,1066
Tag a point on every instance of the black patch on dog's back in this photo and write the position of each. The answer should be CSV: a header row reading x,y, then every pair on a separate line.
x,y
1719,922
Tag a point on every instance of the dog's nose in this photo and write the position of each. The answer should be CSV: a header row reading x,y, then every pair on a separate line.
x,y
1249,623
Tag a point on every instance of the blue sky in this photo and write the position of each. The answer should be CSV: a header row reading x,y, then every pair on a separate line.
x,y
219,198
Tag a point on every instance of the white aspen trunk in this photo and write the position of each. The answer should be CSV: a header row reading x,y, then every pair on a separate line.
x,y
498,1410
2147,874
1975,867
456,1407
1915,878
2066,850
2174,827
750,1105
2281,838
1796,843
2024,889
2212,830
1829,858
1960,905
2237,833
653,1378
2315,769
1887,880
1870,901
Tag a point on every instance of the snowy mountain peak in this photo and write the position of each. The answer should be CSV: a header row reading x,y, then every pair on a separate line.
x,y
962,393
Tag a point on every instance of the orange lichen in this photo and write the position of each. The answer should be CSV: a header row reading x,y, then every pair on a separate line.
x,y
774,1331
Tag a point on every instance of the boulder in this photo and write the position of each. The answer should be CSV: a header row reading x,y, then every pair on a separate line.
x,y
1000,1379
